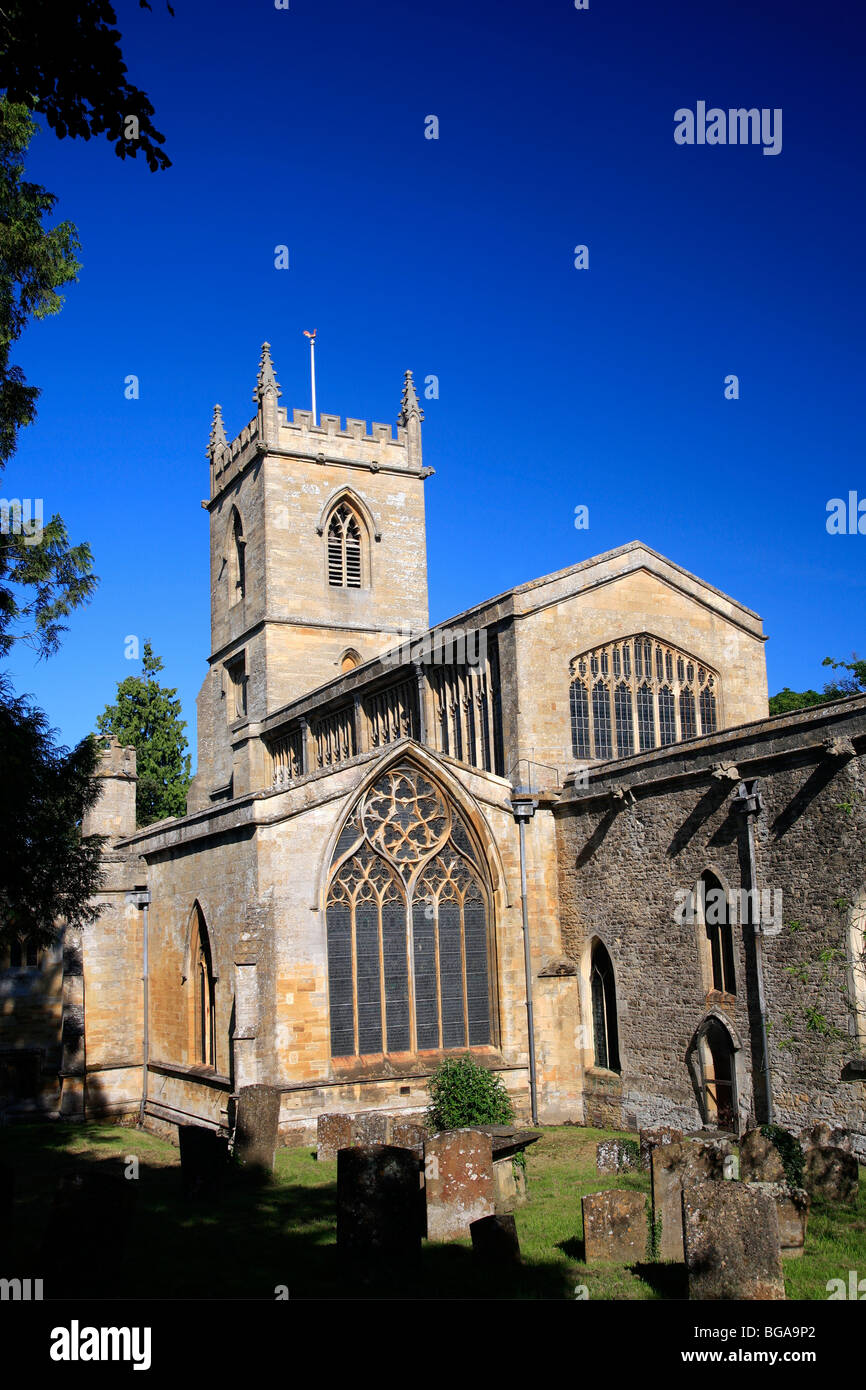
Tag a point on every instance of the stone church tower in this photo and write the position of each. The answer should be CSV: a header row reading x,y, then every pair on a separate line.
x,y
318,563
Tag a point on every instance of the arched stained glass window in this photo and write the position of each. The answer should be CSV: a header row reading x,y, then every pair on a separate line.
x,y
408,925
636,694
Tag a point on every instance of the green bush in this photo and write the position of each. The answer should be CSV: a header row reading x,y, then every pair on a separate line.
x,y
463,1093
790,1151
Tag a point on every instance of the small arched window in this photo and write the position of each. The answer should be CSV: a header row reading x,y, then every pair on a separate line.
x,y
349,660
344,549
720,942
237,566
605,1031
202,1009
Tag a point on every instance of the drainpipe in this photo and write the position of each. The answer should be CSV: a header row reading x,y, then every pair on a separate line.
x,y
523,806
141,899
747,800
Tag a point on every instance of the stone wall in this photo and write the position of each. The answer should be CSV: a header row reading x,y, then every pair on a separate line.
x,y
620,868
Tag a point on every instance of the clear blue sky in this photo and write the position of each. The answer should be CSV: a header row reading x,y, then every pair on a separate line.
x,y
455,257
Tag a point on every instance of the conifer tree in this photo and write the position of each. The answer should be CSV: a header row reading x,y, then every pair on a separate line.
x,y
147,718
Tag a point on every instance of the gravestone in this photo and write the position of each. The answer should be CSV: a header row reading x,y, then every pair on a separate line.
x,y
731,1241
674,1166
458,1182
760,1160
509,1185
203,1162
379,1214
792,1208
831,1175
614,1227
333,1132
257,1124
651,1139
408,1134
825,1136
494,1240
615,1155
667,1163
371,1127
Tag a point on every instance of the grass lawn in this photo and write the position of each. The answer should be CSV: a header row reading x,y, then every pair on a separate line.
x,y
283,1233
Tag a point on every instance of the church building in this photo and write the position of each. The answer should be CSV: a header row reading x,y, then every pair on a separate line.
x,y
389,822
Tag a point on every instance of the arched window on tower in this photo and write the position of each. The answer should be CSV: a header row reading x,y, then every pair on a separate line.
x,y
715,916
202,1010
605,1031
237,567
344,548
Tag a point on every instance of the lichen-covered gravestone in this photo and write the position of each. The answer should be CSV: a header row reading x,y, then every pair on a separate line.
x,y
832,1175
256,1131
760,1160
792,1207
378,1203
333,1132
616,1155
731,1240
673,1167
458,1182
614,1227
651,1139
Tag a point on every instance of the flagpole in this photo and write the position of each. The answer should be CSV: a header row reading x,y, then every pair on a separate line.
x,y
312,338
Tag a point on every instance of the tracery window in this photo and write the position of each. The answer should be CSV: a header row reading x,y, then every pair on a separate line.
x,y
344,548
636,694
715,915
408,915
605,1032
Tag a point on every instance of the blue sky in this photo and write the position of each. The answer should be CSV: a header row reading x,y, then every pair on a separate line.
x,y
557,386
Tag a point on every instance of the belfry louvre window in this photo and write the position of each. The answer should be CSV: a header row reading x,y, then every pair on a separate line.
x,y
344,549
636,694
408,915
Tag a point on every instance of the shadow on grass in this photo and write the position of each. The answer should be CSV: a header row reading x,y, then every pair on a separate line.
x,y
90,1232
669,1280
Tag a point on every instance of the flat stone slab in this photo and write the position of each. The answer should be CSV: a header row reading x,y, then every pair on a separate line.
x,y
458,1182
614,1227
732,1244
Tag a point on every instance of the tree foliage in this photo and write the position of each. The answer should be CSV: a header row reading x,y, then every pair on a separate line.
x,y
147,718
464,1093
64,61
34,263
48,868
854,683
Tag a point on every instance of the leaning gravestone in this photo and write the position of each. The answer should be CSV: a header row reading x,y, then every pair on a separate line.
x,y
203,1162
257,1123
614,1227
825,1136
760,1160
458,1182
379,1213
673,1167
494,1240
731,1240
651,1139
792,1207
832,1175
